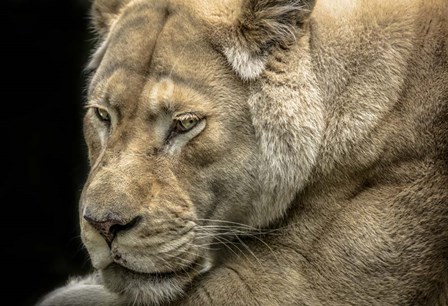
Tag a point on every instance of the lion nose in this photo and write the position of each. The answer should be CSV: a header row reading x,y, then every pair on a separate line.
x,y
110,227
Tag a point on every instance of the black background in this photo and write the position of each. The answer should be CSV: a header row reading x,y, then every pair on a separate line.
x,y
45,45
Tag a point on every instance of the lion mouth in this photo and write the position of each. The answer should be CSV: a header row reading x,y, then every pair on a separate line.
x,y
164,275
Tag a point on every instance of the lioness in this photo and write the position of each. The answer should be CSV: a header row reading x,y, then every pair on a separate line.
x,y
271,152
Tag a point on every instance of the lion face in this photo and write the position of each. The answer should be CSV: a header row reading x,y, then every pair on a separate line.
x,y
172,149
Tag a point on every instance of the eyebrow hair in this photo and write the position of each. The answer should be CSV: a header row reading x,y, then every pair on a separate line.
x,y
98,96
89,103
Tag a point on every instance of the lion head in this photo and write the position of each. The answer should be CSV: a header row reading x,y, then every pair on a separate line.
x,y
173,151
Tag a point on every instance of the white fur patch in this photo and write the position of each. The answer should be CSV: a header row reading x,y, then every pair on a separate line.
x,y
98,55
181,140
245,64
82,292
161,95
99,251
337,7
103,134
289,126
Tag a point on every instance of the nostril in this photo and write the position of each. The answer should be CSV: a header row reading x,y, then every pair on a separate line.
x,y
110,227
119,227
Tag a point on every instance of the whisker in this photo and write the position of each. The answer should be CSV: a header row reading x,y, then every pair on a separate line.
x,y
234,245
270,249
221,227
227,222
228,230
227,246
250,251
206,246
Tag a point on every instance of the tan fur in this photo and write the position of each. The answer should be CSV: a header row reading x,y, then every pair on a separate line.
x,y
317,173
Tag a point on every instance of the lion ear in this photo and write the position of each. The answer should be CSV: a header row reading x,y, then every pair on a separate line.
x,y
262,25
104,12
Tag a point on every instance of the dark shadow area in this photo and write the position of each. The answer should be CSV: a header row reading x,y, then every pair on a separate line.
x,y
45,45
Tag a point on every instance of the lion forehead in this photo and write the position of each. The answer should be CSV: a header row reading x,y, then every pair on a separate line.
x,y
141,60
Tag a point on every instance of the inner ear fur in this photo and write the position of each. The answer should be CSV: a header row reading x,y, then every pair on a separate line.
x,y
261,26
104,12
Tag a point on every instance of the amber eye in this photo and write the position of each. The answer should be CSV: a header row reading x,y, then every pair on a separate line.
x,y
102,114
186,122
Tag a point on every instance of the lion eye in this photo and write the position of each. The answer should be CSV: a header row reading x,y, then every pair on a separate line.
x,y
186,122
102,114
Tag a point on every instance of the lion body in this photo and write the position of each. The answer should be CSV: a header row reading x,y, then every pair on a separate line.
x,y
322,153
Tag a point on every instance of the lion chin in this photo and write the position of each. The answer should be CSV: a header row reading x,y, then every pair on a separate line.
x,y
156,287
139,287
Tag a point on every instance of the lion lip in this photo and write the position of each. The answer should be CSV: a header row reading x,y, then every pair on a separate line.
x,y
159,275
164,275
